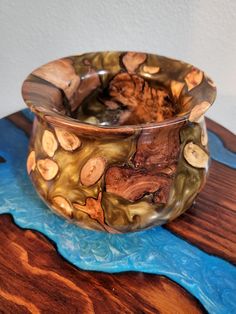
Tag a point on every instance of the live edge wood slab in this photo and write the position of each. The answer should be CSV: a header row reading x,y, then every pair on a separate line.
x,y
34,278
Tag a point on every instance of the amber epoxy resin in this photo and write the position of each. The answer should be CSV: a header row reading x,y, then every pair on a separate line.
x,y
119,142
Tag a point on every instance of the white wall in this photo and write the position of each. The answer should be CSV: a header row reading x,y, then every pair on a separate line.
x,y
202,32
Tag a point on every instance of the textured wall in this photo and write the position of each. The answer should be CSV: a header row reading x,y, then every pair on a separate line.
x,y
200,32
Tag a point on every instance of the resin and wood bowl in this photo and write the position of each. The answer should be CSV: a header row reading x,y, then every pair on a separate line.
x,y
119,141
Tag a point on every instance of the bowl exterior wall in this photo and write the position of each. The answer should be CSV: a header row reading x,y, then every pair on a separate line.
x,y
119,182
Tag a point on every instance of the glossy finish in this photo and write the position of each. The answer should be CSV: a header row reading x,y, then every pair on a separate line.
x,y
51,285
31,261
119,141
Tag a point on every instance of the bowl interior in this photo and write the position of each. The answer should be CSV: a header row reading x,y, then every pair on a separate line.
x,y
117,88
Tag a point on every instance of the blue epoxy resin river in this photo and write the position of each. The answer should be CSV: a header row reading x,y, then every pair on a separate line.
x,y
210,279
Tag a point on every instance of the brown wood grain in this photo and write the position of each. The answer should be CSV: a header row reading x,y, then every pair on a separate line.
x,y
210,222
35,279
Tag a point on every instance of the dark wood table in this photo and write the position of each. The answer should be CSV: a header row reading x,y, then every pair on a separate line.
x,y
34,278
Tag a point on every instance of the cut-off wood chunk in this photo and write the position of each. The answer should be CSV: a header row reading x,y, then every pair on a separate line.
x,y
195,155
93,208
67,140
62,206
176,88
31,162
151,69
133,184
49,143
198,111
47,168
92,171
193,78
132,60
204,137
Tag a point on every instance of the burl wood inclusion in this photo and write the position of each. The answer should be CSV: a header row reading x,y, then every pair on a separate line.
x,y
119,140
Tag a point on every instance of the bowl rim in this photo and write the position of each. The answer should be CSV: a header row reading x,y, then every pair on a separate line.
x,y
58,119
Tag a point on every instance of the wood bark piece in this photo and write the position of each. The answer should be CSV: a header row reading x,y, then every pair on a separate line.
x,y
132,60
146,104
176,88
151,69
62,206
31,162
198,111
204,136
162,194
92,170
158,148
155,165
195,155
61,74
93,208
49,143
155,161
133,184
47,168
193,78
67,140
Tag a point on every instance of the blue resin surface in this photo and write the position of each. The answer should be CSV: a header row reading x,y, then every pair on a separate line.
x,y
210,279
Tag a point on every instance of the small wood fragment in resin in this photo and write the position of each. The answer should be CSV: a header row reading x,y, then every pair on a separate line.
x,y
193,78
132,60
198,111
62,206
176,88
151,70
49,143
67,140
195,155
47,168
92,171
31,162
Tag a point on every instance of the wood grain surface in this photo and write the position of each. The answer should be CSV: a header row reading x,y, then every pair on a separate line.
x,y
35,279
210,222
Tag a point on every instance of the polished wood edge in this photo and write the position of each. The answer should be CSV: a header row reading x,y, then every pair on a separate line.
x,y
210,223
34,278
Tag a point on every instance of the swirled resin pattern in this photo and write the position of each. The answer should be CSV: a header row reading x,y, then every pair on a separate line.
x,y
119,141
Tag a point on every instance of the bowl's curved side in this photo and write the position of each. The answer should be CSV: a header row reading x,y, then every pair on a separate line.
x,y
119,184
118,178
